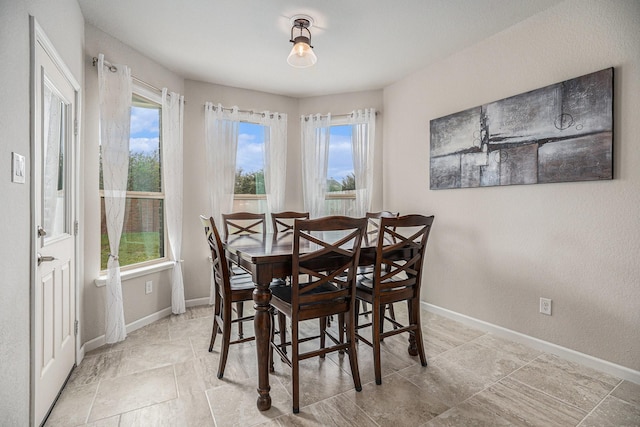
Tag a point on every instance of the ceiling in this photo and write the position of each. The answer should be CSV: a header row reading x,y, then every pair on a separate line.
x,y
360,44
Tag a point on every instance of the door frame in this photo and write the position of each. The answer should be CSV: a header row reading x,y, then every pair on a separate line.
x,y
38,37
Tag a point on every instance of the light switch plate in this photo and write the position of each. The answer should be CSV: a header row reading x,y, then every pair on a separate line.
x,y
17,168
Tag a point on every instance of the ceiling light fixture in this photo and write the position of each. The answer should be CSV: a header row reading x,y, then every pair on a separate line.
x,y
301,55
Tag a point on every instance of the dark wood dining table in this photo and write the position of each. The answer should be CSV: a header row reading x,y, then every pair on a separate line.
x,y
266,257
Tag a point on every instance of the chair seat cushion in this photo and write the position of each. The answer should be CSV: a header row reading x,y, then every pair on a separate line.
x,y
365,282
242,281
283,292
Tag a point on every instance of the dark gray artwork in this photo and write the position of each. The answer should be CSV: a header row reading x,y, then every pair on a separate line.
x,y
558,133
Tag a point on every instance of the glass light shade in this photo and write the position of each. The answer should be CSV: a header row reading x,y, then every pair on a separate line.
x,y
302,55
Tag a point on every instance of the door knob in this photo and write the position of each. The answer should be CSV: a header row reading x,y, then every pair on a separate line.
x,y
41,231
46,258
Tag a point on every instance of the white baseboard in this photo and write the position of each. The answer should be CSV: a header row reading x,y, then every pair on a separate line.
x,y
137,324
196,302
566,353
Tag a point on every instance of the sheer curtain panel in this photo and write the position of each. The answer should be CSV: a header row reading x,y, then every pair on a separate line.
x,y
275,174
363,133
221,143
315,157
172,122
115,119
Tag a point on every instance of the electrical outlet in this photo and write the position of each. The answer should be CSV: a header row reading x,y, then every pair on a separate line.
x,y
148,287
545,306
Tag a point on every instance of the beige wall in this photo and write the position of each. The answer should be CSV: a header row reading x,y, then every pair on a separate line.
x,y
137,304
495,251
62,21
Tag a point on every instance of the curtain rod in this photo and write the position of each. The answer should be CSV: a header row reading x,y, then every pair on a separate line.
x,y
215,107
306,118
113,69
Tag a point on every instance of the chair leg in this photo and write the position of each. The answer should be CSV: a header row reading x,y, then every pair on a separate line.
x,y
226,338
323,333
214,333
240,312
216,312
376,326
414,318
272,334
295,369
380,314
353,352
282,327
341,330
364,308
392,314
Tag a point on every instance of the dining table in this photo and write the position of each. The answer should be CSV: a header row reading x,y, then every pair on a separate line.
x,y
266,257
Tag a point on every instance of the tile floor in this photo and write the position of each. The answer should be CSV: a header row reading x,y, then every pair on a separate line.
x,y
163,375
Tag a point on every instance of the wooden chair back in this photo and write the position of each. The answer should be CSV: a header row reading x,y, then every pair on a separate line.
x,y
243,223
283,221
221,273
325,255
373,224
400,256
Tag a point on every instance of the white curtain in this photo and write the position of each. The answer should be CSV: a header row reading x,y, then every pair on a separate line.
x,y
115,119
172,163
221,144
315,157
275,173
363,133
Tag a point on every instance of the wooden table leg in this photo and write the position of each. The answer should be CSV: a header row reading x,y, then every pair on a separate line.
x,y
262,326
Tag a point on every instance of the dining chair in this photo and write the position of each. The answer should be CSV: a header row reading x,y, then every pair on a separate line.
x,y
397,274
228,289
325,254
373,227
283,221
242,223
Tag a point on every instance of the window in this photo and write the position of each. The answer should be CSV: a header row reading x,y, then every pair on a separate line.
x,y
249,190
341,178
143,235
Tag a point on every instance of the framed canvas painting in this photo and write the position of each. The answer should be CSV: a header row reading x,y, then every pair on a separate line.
x,y
558,133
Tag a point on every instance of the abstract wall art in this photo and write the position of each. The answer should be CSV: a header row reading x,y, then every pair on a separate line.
x,y
559,133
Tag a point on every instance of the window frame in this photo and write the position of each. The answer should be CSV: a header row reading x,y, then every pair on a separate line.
x,y
154,97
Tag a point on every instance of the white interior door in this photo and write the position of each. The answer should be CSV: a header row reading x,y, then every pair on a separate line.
x,y
54,189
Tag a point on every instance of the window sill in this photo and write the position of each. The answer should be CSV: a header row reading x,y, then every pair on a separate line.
x,y
136,272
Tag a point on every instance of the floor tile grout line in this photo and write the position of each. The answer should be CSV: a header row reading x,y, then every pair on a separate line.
x,y
491,384
600,402
213,416
457,346
344,394
557,398
175,380
93,401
